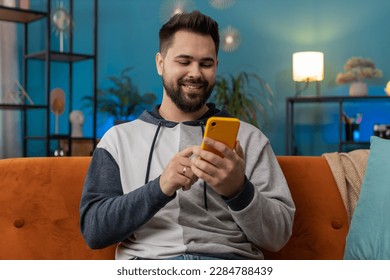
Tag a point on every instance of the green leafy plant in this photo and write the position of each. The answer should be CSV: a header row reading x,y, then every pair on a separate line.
x,y
245,96
122,100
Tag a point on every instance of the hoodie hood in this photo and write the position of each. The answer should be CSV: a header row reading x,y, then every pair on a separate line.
x,y
154,116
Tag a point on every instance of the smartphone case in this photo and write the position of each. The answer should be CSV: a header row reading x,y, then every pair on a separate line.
x,y
221,129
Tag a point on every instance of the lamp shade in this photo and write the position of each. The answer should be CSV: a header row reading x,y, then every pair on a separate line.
x,y
308,66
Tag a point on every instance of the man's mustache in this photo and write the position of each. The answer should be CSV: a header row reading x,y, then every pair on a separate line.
x,y
199,81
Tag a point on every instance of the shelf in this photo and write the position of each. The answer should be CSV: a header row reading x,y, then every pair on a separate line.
x,y
60,137
309,99
340,102
355,143
66,137
48,56
82,138
20,15
21,106
60,56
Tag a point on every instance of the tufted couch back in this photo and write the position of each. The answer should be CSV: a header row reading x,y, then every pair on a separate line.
x,y
321,221
39,210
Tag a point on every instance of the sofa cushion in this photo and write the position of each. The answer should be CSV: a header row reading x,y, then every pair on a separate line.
x,y
369,234
321,221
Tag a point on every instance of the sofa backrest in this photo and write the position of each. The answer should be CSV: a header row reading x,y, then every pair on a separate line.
x,y
321,222
39,210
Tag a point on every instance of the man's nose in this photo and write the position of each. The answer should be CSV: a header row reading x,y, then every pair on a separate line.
x,y
194,70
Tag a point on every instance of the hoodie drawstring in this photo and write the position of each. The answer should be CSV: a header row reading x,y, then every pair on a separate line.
x,y
151,156
204,183
151,152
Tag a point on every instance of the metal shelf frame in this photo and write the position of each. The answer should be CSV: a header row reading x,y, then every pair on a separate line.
x,y
48,56
339,100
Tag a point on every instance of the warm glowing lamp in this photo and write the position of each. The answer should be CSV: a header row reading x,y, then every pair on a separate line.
x,y
308,67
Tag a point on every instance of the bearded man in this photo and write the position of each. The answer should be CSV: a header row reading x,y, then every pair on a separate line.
x,y
152,190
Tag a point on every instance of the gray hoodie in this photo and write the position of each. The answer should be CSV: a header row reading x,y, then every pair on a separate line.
x,y
122,201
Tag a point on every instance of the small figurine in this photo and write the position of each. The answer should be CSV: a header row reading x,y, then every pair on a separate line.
x,y
76,118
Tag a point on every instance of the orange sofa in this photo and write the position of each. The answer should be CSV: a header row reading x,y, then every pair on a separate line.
x,y
39,210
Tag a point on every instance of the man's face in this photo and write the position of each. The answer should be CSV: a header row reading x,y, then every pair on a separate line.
x,y
188,70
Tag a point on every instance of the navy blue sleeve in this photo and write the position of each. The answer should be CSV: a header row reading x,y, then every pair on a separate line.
x,y
241,200
108,216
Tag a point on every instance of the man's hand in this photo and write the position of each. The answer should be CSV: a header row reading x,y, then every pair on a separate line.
x,y
226,174
178,173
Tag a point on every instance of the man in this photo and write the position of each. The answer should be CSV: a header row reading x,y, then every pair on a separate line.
x,y
151,188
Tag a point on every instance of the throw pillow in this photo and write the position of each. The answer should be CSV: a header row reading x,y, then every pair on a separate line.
x,y
369,234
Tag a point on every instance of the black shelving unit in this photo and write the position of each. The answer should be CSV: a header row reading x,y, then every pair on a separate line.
x,y
48,56
340,101
20,15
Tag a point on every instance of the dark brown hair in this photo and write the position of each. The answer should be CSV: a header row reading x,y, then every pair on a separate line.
x,y
195,22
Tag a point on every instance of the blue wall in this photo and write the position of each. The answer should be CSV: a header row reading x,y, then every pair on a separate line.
x,y
271,30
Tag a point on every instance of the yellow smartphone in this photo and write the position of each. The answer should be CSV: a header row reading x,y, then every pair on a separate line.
x,y
221,129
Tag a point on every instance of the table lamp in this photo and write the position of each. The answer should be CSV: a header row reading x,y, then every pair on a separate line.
x,y
308,67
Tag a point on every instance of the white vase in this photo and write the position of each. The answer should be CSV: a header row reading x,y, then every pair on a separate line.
x,y
358,89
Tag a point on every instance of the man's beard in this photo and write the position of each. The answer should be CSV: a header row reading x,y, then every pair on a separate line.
x,y
178,97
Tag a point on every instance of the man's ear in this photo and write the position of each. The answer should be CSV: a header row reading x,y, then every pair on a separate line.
x,y
159,63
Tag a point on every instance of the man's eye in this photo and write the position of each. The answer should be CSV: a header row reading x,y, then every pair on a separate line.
x,y
207,65
184,62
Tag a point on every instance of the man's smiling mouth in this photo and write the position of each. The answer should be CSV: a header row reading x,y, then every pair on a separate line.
x,y
193,86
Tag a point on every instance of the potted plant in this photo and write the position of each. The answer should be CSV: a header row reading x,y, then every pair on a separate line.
x,y
245,96
357,70
122,101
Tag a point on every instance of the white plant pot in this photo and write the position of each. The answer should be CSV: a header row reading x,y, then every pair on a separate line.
x,y
358,89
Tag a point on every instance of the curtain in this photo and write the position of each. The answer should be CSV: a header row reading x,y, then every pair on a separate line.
x,y
10,120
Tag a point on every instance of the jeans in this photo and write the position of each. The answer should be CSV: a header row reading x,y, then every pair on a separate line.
x,y
193,257
187,257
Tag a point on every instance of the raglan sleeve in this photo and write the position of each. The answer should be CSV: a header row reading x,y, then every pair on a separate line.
x,y
264,210
107,215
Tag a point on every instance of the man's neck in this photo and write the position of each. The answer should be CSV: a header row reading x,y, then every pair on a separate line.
x,y
170,112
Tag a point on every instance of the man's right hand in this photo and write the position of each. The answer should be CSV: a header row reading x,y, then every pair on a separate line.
x,y
178,173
